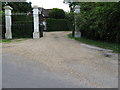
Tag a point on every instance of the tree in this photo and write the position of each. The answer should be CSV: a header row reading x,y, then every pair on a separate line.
x,y
21,7
57,13
70,16
99,20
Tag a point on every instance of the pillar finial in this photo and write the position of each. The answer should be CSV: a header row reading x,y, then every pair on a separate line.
x,y
35,7
8,7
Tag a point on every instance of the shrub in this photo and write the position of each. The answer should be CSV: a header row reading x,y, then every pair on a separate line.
x,y
100,21
58,25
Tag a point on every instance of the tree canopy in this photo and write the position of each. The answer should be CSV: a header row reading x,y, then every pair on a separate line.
x,y
57,13
99,20
21,7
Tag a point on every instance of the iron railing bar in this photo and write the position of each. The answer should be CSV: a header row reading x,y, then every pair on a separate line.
x,y
22,13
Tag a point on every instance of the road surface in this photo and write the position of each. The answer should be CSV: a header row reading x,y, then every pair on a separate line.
x,y
55,61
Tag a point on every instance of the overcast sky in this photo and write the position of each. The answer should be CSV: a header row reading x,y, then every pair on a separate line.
x,y
48,4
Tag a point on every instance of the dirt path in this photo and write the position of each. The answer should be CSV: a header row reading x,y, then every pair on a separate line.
x,y
63,55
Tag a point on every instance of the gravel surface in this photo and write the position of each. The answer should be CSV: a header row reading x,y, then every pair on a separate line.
x,y
19,72
62,55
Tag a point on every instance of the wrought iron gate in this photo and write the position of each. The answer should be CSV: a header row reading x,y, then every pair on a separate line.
x,y
22,25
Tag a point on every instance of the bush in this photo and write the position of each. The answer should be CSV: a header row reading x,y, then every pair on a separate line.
x,y
100,21
58,25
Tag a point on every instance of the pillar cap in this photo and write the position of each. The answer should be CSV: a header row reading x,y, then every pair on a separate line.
x,y
8,7
35,7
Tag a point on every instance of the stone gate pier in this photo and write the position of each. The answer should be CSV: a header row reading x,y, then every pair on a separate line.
x,y
36,33
8,22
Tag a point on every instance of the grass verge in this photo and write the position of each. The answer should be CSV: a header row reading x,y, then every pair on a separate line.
x,y
58,31
6,40
113,46
12,40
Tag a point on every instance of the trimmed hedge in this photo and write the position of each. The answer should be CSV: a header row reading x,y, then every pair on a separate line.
x,y
22,29
22,26
57,13
18,18
58,25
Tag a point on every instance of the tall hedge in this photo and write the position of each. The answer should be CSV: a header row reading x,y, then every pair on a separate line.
x,y
22,26
23,18
100,21
22,29
57,13
58,25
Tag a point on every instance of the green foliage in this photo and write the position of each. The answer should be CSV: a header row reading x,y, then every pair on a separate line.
x,y
100,21
57,13
21,7
19,18
22,29
107,45
6,40
22,26
58,24
3,25
70,17
1,12
11,40
1,15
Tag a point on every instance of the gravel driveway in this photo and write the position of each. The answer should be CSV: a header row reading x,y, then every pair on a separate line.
x,y
68,57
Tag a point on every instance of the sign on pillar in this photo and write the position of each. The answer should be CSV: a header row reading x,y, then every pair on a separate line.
x,y
8,22
36,33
